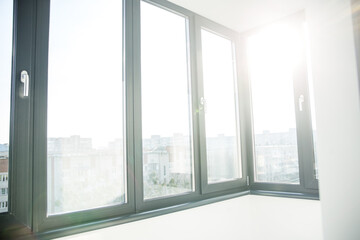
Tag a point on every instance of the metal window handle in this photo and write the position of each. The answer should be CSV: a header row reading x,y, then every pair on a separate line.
x,y
24,77
203,104
301,101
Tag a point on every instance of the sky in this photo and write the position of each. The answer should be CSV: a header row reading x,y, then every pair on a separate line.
x,y
164,73
165,80
85,74
272,55
85,90
5,67
219,85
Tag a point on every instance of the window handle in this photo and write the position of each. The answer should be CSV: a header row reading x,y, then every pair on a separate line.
x,y
301,101
24,77
203,104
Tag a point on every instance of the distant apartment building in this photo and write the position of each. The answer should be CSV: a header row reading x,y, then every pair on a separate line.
x,y
222,155
277,157
79,175
167,165
4,177
168,162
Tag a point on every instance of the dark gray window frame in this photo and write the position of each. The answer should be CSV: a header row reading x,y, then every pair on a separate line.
x,y
203,23
308,186
355,4
150,204
27,183
41,221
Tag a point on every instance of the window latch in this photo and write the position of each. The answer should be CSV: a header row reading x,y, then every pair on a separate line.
x,y
203,104
301,101
24,77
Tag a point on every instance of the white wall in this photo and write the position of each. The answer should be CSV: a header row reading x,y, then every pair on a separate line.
x,y
338,116
283,218
242,15
246,218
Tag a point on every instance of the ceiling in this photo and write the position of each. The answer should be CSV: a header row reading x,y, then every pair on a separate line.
x,y
241,15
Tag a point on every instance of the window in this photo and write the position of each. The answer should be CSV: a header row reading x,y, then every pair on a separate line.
x,y
311,96
272,55
219,104
3,206
166,108
140,108
223,153
81,121
281,105
82,145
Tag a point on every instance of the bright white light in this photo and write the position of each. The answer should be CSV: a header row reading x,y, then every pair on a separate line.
x,y
85,62
273,53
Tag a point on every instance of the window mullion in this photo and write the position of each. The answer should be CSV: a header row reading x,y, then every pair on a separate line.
x,y
137,121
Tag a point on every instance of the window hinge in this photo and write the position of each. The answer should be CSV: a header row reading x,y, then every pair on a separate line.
x,y
247,180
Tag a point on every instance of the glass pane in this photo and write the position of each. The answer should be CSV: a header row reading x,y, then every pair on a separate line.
x,y
272,54
220,106
6,27
86,153
166,119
